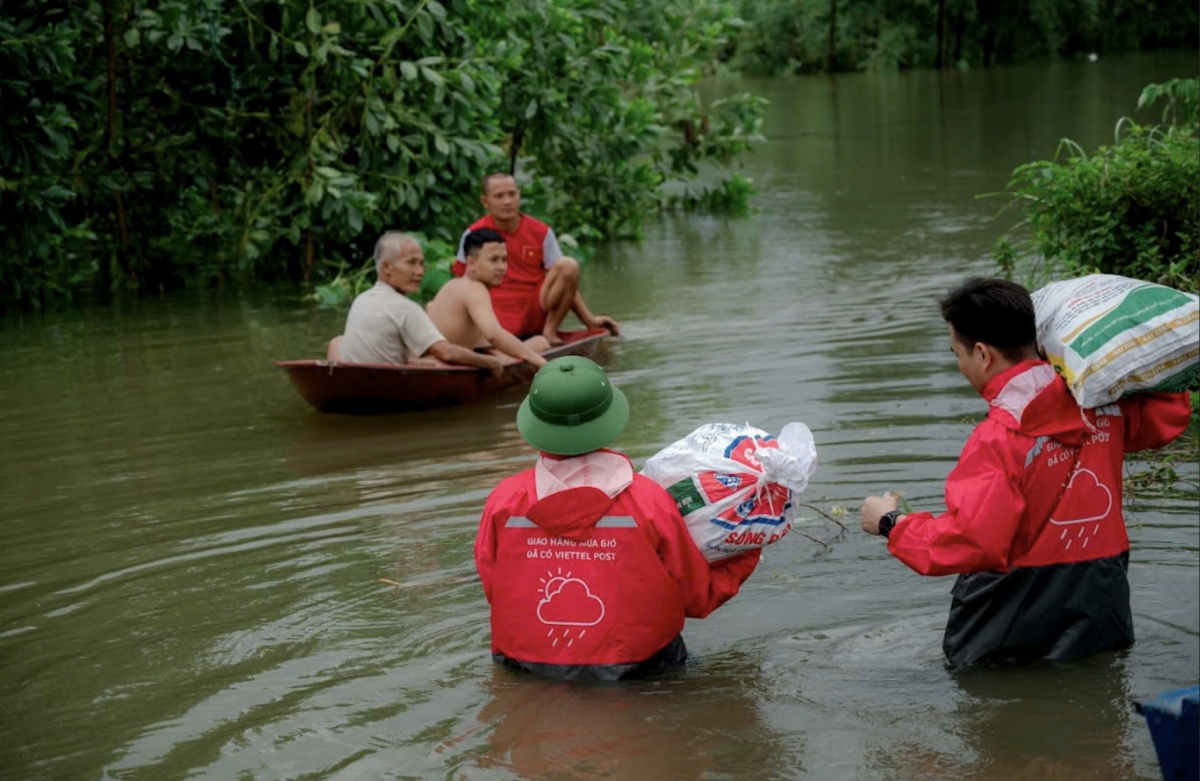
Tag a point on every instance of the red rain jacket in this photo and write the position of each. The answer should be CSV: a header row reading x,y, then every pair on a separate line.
x,y
1033,520
584,585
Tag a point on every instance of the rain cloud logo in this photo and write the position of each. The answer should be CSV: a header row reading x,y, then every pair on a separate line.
x,y
1089,502
569,602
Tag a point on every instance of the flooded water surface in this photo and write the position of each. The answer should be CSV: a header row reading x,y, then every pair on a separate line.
x,y
191,558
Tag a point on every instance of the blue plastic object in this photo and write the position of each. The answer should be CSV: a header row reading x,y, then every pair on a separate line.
x,y
1175,729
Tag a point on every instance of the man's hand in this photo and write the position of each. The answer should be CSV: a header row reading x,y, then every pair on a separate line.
x,y
604,321
874,508
494,365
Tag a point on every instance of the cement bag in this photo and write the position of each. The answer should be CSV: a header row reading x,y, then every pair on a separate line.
x,y
1109,336
734,484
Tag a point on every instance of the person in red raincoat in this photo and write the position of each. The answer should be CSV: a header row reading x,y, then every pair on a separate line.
x,y
589,568
1033,524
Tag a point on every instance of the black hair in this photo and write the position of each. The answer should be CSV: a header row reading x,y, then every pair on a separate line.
x,y
487,180
477,238
993,311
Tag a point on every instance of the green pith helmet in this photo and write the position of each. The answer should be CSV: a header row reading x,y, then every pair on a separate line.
x,y
572,408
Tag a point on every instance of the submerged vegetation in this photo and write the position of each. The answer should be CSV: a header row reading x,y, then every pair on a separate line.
x,y
1131,208
149,144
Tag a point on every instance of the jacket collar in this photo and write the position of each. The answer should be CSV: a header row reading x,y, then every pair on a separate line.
x,y
1013,388
607,470
1031,398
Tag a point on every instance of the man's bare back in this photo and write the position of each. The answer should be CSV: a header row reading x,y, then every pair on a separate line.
x,y
452,316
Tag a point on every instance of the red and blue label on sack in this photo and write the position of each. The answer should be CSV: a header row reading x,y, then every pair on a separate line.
x,y
767,507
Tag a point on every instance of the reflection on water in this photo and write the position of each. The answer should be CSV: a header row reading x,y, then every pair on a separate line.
x,y
191,560
684,727
1060,721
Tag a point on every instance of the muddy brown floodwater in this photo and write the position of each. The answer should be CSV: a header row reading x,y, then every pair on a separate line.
x,y
189,558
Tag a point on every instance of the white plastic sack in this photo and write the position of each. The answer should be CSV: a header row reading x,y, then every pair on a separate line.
x,y
1110,335
734,484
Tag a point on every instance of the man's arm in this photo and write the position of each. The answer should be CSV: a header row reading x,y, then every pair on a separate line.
x,y
447,352
479,309
983,511
551,253
485,546
704,586
580,308
1152,420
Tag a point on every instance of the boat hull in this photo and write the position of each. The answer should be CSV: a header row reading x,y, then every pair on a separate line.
x,y
372,388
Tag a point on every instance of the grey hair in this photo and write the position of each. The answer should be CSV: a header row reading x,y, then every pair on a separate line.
x,y
389,246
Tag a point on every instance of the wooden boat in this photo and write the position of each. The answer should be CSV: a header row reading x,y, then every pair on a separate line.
x,y
362,388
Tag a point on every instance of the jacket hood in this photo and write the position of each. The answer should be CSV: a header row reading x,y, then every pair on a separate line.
x,y
574,493
571,513
1032,399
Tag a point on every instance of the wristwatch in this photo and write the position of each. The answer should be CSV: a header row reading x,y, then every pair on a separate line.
x,y
887,521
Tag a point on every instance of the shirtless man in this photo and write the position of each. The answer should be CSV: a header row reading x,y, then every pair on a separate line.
x,y
542,285
385,326
462,309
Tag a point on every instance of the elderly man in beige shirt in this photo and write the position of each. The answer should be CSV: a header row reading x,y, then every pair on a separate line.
x,y
385,326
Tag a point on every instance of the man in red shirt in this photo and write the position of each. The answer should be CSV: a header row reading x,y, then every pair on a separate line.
x,y
589,568
542,284
1033,524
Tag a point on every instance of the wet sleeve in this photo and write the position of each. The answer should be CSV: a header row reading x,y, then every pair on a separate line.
x,y
551,252
1152,420
485,546
984,504
705,587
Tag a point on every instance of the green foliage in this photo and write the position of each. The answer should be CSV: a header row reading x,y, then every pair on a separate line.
x,y
1182,99
1171,471
37,74
1132,208
782,36
269,139
626,70
729,196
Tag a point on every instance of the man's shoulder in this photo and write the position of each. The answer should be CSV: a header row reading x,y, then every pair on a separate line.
x,y
992,441
533,226
375,296
513,486
389,300
993,428
461,288
485,221
646,491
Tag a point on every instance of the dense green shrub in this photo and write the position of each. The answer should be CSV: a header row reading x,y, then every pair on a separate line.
x,y
1132,208
157,143
783,36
